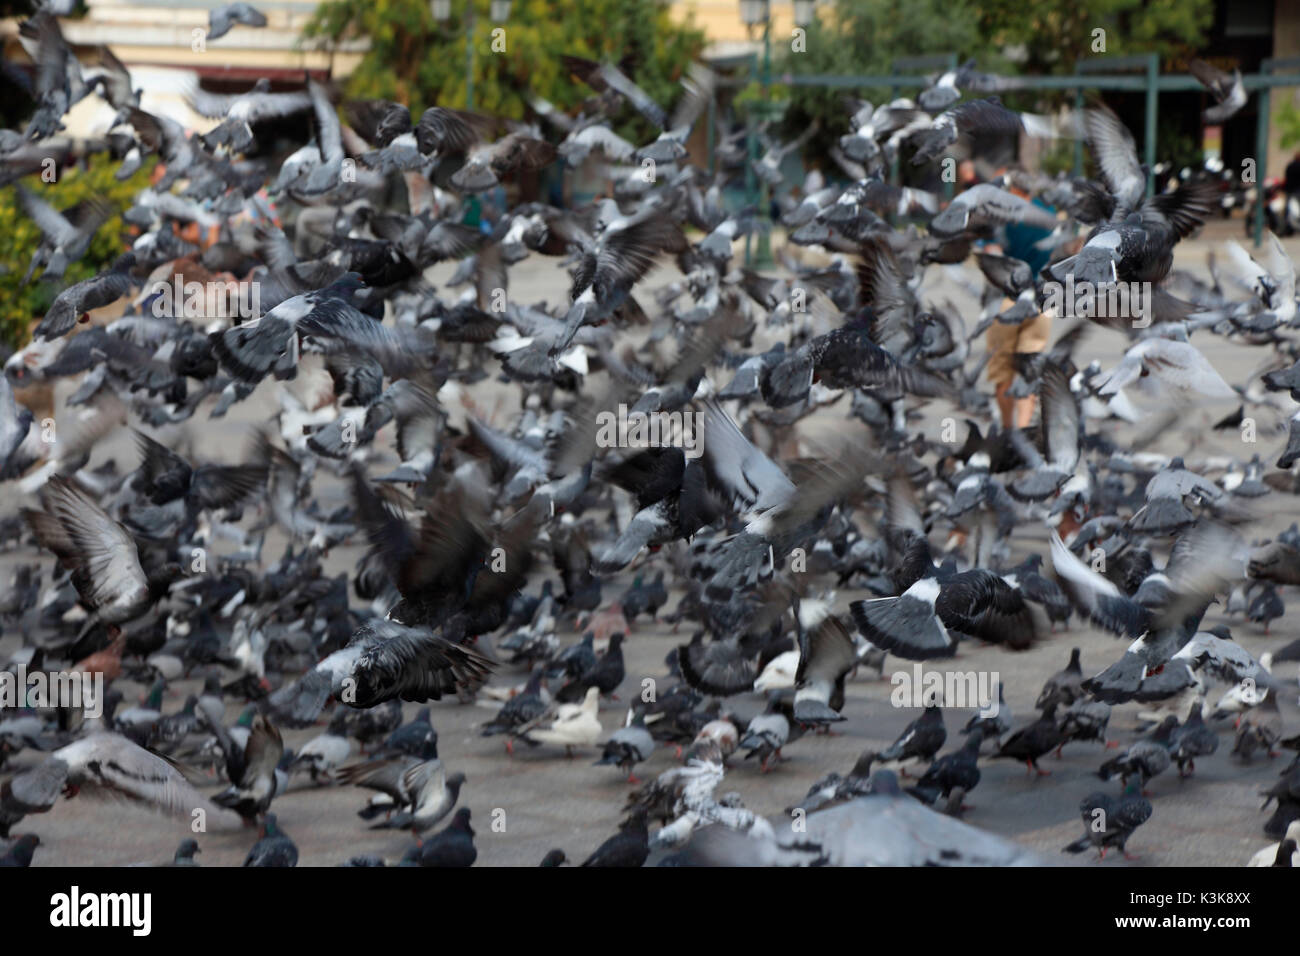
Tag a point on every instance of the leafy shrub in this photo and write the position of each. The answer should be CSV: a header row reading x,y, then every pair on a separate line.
x,y
19,238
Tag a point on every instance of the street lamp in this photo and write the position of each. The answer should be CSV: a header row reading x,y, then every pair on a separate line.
x,y
500,11
441,10
804,12
753,12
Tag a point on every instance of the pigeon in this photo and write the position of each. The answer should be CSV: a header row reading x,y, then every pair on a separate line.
x,y
1143,759
453,846
456,483
185,853
223,19
73,304
21,851
251,768
1281,853
519,710
1110,821
766,734
1227,89
921,739
1034,740
1191,740
1065,686
109,763
954,772
566,725
629,847
273,847
628,746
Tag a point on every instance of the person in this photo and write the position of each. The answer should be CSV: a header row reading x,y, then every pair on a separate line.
x,y
1010,344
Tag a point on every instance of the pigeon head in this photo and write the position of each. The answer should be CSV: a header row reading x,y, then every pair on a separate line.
x,y
885,782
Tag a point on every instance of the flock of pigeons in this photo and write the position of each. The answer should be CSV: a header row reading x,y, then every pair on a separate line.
x,y
496,536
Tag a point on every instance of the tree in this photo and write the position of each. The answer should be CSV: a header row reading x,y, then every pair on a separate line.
x,y
417,61
1052,36
21,304
866,36
1029,37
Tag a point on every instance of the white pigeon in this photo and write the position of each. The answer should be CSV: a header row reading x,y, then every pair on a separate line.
x,y
1178,364
1274,285
566,725
779,673
111,764
1268,855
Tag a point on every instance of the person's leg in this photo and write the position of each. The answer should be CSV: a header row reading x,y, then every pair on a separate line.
x,y
1006,404
1032,336
1001,369
1024,411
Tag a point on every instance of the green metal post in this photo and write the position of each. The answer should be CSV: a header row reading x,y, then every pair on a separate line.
x,y
764,198
469,54
949,188
1261,158
1153,101
711,146
1078,140
751,185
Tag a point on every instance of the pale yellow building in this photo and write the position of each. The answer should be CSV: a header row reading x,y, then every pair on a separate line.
x,y
164,45
721,22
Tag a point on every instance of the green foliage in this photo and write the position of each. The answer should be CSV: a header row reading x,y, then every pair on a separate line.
x,y
1029,37
19,304
1175,147
866,36
414,60
1288,124
1054,35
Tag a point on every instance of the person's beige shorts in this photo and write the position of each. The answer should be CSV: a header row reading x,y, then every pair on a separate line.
x,y
1004,341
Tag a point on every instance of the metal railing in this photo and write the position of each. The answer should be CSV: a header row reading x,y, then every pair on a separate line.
x,y
1092,73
